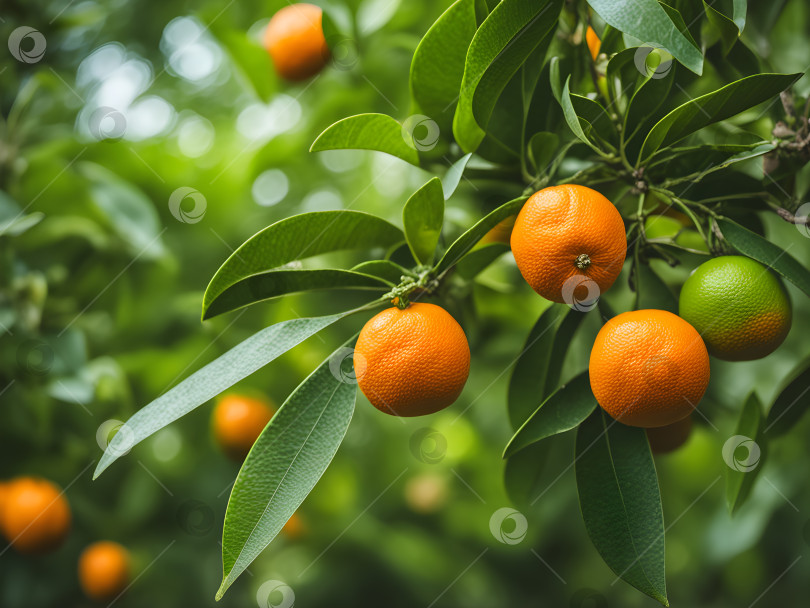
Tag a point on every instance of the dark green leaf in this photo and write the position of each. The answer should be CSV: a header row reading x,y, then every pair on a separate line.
x,y
647,21
453,176
423,216
652,292
762,250
295,238
571,116
542,150
725,29
384,269
479,258
467,241
678,162
562,411
791,404
284,465
369,132
275,283
537,370
208,382
744,454
592,111
522,471
713,107
438,62
509,35
620,501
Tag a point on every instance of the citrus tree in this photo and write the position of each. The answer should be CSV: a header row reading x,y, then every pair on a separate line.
x,y
612,158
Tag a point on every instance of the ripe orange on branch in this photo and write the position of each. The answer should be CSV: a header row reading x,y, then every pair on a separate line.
x,y
104,570
569,238
35,516
412,361
238,421
294,38
648,368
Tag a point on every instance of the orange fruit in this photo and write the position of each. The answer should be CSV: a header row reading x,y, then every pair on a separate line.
x,y
294,38
648,368
103,570
238,421
665,439
593,42
739,307
569,238
35,515
412,361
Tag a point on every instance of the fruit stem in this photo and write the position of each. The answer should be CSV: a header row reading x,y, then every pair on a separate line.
x,y
582,261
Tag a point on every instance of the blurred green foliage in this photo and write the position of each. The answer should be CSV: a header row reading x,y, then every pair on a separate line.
x,y
100,291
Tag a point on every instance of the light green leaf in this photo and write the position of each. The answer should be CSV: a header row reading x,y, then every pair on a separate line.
x,y
438,62
647,21
275,283
253,64
744,454
718,105
15,226
511,33
620,501
295,238
384,269
792,402
571,116
467,241
423,216
377,132
452,178
284,465
562,411
542,150
739,13
208,382
762,250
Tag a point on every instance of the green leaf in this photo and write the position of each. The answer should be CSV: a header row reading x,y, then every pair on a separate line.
x,y
620,501
295,238
647,21
542,150
438,62
537,371
507,37
571,116
384,269
15,226
453,176
713,107
652,292
253,64
595,115
792,402
521,473
706,158
647,98
459,248
208,382
284,465
479,258
725,28
739,12
562,411
377,132
423,216
275,283
762,250
744,454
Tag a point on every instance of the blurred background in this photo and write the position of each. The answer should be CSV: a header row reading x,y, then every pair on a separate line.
x,y
140,146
